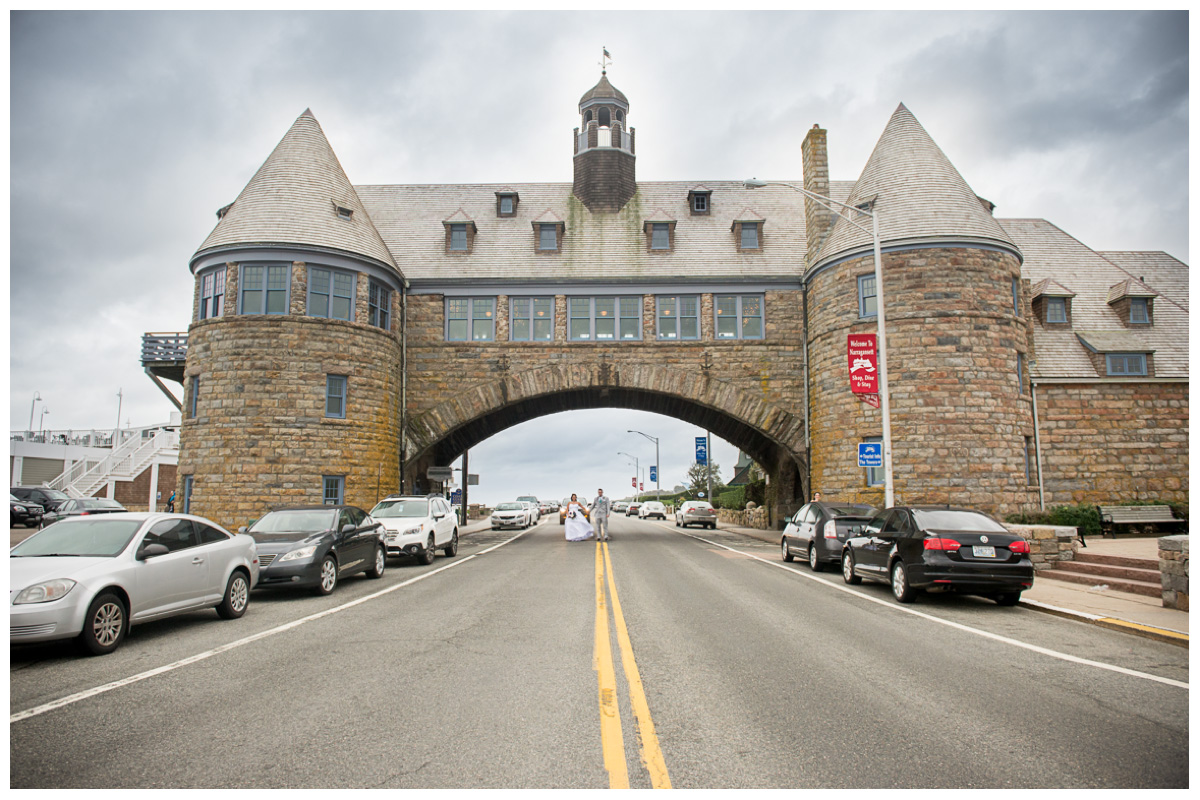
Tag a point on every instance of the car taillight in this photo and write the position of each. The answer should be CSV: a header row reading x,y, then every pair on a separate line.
x,y
84,513
942,544
831,530
1019,546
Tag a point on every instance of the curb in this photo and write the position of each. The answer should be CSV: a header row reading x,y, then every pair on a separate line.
x,y
1112,623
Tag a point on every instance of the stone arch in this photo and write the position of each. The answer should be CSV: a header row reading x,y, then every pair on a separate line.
x,y
770,434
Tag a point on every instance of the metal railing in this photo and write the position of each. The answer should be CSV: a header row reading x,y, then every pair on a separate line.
x,y
164,347
92,438
125,462
605,139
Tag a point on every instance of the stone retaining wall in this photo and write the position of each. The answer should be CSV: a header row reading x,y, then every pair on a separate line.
x,y
750,518
1048,544
1173,564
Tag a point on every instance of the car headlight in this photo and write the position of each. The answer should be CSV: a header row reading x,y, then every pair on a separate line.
x,y
414,531
300,552
45,592
19,508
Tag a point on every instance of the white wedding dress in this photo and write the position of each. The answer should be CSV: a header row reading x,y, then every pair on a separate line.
x,y
577,525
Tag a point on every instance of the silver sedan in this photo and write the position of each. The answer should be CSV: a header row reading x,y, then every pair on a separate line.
x,y
90,578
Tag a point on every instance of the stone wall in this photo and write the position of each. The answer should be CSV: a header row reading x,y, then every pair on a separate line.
x,y
1048,544
757,518
960,417
1174,565
1106,443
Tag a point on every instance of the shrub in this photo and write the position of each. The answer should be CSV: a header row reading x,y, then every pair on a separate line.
x,y
1084,516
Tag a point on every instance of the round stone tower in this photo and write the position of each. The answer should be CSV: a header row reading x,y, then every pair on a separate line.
x,y
958,341
605,179
292,385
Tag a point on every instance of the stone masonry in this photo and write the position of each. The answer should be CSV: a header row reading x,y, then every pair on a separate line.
x,y
1174,565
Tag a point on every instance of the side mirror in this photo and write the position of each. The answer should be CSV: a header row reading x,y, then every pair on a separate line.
x,y
152,550
348,528
243,529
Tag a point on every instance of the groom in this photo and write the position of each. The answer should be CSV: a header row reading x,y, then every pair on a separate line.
x,y
600,509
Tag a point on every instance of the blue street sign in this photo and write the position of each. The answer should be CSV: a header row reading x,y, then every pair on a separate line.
x,y
870,454
654,473
456,496
701,450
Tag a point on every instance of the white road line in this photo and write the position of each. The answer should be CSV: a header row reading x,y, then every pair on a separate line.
x,y
938,620
141,676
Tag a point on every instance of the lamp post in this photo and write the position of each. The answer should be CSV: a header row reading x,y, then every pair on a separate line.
x,y
657,470
42,419
636,470
36,396
844,211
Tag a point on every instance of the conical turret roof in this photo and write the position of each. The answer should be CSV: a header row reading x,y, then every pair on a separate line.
x,y
919,196
294,199
604,91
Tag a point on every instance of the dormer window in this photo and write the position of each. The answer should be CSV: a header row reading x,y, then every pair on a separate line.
x,y
700,202
460,234
1056,309
749,240
548,233
747,231
343,212
1051,302
506,203
660,232
1133,301
547,237
1139,310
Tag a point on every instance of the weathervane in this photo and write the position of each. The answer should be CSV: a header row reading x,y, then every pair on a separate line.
x,y
605,60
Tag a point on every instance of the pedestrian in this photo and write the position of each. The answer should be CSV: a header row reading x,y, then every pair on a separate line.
x,y
816,497
576,524
600,508
171,502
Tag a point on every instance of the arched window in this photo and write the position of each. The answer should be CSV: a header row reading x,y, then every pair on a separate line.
x,y
620,115
587,116
604,118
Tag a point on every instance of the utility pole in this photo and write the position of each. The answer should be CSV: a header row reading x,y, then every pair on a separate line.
x,y
708,462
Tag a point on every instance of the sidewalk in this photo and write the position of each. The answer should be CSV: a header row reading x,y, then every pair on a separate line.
x,y
1144,616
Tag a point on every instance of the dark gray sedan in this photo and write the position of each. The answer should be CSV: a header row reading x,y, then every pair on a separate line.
x,y
317,546
82,507
818,530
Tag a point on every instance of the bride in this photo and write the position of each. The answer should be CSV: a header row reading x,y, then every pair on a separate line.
x,y
577,525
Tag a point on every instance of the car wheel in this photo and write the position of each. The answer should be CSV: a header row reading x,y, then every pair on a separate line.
x,y
329,576
451,550
787,551
237,596
380,565
814,563
900,586
105,625
712,526
848,569
1007,598
427,557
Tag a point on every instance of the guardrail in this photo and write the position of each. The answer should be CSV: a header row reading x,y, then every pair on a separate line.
x,y
164,347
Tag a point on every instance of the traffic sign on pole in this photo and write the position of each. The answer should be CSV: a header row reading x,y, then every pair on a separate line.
x,y
653,473
870,454
701,449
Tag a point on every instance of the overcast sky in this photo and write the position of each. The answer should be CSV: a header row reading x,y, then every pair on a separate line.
x,y
130,129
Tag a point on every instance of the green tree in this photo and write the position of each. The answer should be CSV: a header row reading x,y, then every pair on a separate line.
x,y
698,477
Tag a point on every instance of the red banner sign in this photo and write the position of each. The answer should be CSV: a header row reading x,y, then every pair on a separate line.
x,y
864,363
871,400
635,482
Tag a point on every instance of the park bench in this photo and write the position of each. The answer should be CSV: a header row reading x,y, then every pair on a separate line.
x,y
1111,516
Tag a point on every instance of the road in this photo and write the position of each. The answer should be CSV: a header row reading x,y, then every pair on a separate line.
x,y
514,665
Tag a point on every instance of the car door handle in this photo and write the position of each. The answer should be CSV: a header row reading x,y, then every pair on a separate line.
x,y
197,560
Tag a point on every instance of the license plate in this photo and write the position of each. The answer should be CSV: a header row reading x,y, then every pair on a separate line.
x,y
983,552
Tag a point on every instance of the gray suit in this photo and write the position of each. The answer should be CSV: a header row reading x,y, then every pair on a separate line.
x,y
600,509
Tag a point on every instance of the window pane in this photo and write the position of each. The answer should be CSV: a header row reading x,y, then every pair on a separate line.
x,y
520,330
752,327
1056,309
456,330
581,329
606,328
457,308
689,328
661,237
458,237
252,301
335,396
543,329
332,494
548,237
506,204
341,308
631,307
1138,311
483,325
749,235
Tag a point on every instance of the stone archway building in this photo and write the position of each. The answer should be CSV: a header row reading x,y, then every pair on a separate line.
x,y
344,337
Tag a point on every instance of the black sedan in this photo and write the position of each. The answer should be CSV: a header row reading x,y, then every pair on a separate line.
x,y
22,512
953,549
82,507
819,530
316,546
47,498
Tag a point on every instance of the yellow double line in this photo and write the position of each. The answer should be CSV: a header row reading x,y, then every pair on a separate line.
x,y
612,740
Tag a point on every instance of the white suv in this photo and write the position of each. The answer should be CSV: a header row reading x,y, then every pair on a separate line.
x,y
652,508
418,526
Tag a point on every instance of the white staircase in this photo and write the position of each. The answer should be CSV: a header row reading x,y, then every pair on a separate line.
x,y
124,463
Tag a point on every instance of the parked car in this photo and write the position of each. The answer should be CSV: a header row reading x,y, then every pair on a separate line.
x,y
510,514
22,512
652,508
620,506
954,549
632,509
535,506
82,507
91,577
48,499
417,526
696,512
317,546
819,531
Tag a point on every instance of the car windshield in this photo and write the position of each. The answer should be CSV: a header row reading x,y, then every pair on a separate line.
x,y
389,509
55,494
83,536
306,520
100,502
510,507
937,520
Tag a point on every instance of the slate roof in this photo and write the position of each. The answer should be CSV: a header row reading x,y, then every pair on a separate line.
x,y
1166,274
918,194
603,91
292,200
1051,254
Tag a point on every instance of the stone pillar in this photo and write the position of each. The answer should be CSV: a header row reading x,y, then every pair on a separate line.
x,y
1174,566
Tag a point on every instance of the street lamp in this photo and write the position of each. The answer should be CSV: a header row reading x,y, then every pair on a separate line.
x,y
42,418
657,469
844,212
636,469
36,396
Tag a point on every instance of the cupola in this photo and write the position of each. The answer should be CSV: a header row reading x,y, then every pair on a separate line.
x,y
604,155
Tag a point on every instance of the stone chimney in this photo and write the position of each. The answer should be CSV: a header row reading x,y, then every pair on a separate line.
x,y
817,220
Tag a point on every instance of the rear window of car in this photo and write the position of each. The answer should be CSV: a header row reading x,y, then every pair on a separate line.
x,y
849,511
699,505
510,507
948,520
100,503
389,509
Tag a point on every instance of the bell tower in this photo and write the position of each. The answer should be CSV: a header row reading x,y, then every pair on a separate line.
x,y
604,154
